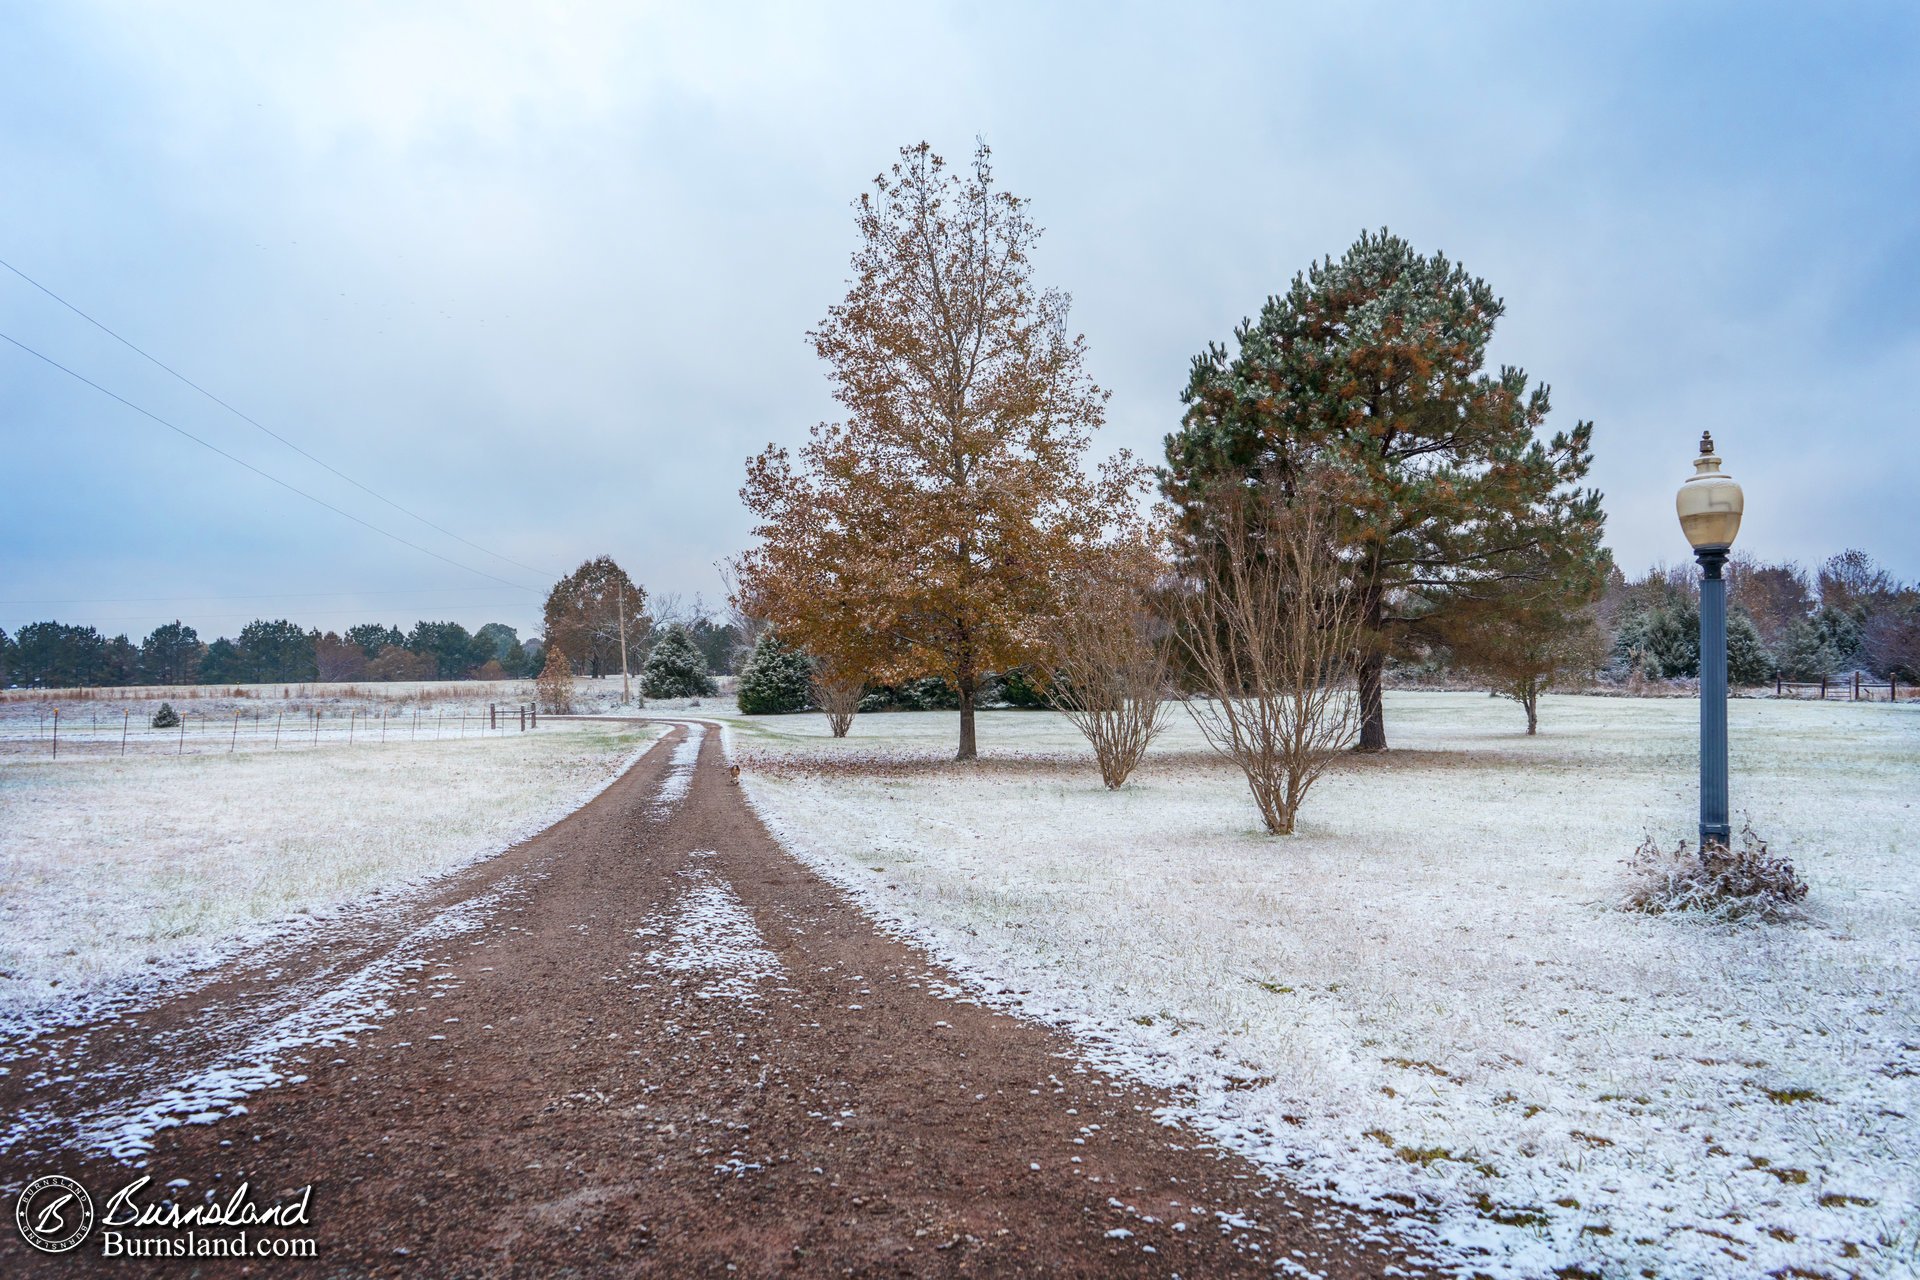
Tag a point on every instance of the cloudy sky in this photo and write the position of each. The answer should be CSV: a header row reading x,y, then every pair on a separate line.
x,y
541,274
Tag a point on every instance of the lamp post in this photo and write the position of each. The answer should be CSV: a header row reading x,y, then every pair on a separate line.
x,y
1710,504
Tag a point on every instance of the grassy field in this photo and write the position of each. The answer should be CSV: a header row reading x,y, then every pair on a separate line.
x,y
1429,999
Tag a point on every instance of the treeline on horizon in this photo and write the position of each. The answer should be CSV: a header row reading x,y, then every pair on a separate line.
x,y
1785,622
57,655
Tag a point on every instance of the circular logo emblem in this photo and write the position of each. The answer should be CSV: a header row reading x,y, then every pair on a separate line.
x,y
53,1213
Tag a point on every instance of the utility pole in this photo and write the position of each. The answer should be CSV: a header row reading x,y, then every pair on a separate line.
x,y
626,687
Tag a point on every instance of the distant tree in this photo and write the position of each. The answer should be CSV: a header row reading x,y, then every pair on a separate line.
x,y
1806,652
1775,596
171,654
1892,638
775,678
166,717
1372,366
120,662
584,612
715,638
555,684
279,651
339,660
226,663
507,649
1662,640
454,652
675,668
54,655
6,659
1524,641
396,662
1852,583
936,513
372,637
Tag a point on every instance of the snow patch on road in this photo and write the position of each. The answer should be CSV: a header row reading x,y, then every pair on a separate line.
x,y
673,788
711,936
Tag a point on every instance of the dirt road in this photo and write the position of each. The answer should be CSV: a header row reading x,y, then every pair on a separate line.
x,y
645,1042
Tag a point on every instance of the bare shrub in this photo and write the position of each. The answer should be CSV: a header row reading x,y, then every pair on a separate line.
x,y
1108,656
836,691
555,684
1268,625
1719,882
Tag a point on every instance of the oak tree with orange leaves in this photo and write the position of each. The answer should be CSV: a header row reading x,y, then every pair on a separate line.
x,y
1371,370
922,534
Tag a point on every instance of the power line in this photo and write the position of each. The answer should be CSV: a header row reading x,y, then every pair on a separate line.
x,y
276,435
257,471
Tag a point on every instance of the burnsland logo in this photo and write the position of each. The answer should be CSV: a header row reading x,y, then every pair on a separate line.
x,y
54,1213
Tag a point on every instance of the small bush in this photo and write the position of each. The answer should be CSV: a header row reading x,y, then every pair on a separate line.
x,y
166,717
1746,883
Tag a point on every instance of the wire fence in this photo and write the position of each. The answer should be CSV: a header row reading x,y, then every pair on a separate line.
x,y
56,736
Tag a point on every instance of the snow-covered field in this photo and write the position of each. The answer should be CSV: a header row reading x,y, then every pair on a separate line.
x,y
1428,1000
117,873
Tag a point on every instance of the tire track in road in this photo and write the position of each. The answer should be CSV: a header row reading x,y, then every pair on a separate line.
x,y
666,1047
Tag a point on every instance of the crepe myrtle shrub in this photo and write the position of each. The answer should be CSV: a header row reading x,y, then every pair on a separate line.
x,y
775,679
555,684
1745,884
676,668
166,717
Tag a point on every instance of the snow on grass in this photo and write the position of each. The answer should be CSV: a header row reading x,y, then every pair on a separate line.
x,y
115,874
1428,1001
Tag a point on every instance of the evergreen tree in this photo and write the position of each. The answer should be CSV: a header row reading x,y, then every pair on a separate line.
x,y
279,651
506,648
1748,662
6,660
226,663
1806,652
120,662
452,651
372,637
1373,366
775,678
171,654
54,655
675,668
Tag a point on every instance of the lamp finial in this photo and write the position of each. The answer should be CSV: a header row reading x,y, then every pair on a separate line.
x,y
1706,443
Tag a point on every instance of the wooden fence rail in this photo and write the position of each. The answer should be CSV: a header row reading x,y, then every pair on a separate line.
x,y
1845,689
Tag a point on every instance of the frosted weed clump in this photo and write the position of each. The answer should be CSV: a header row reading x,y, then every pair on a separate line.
x,y
1727,884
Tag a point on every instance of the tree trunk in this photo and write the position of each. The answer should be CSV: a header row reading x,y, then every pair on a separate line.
x,y
1373,716
1373,665
1532,701
967,748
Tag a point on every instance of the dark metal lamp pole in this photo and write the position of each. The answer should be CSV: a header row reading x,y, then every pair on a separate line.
x,y
1710,505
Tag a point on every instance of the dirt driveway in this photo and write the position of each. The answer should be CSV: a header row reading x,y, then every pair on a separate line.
x,y
645,1042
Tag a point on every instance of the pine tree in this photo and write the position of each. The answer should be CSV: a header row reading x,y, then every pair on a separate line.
x,y
775,678
675,668
1373,365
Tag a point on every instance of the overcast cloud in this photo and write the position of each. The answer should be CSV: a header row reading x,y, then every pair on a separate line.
x,y
544,277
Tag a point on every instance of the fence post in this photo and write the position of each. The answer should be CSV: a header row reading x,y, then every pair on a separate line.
x,y
316,726
235,739
126,719
1823,688
181,747
1856,686
350,717
492,720
522,708
278,716
533,714
56,733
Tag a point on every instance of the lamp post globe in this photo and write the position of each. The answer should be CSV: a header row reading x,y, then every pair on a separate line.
x,y
1710,505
